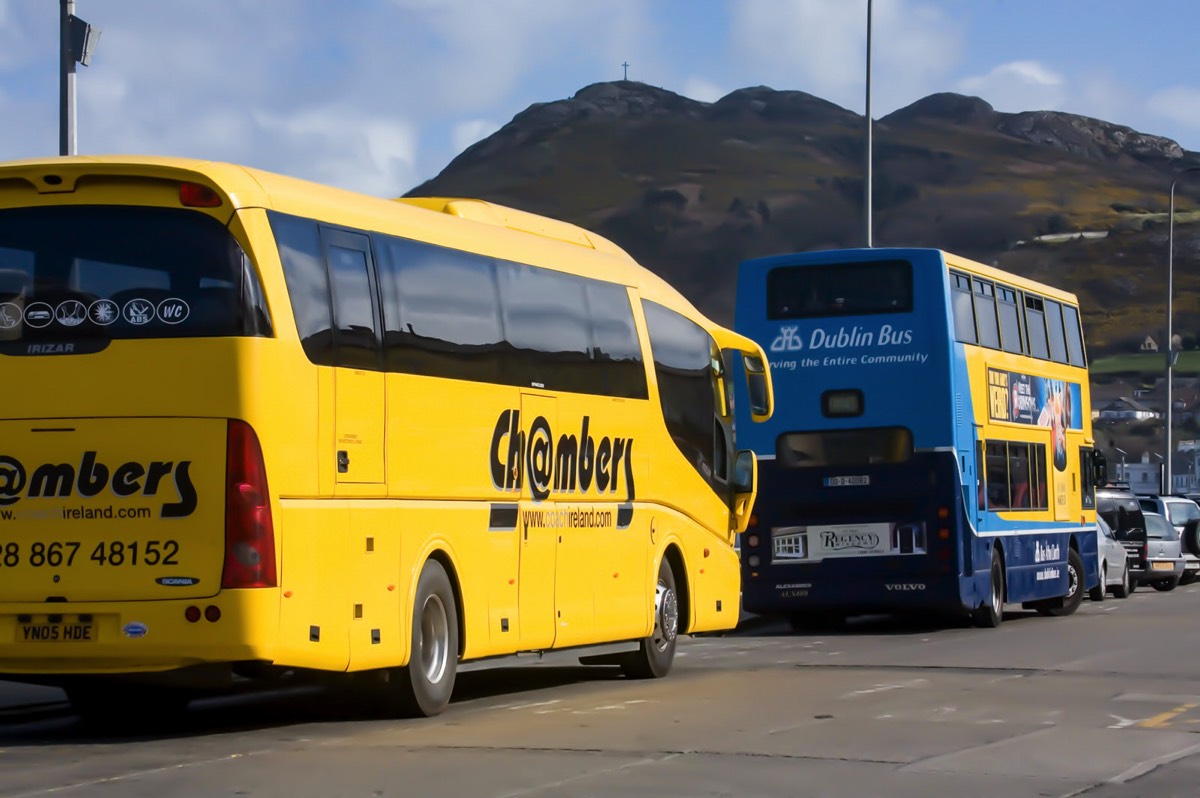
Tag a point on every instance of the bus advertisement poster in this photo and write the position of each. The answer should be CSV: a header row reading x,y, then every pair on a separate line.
x,y
1034,400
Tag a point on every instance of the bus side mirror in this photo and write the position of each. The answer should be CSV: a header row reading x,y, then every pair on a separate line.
x,y
745,486
758,383
1099,468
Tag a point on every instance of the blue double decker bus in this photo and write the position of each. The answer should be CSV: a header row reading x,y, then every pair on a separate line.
x,y
931,448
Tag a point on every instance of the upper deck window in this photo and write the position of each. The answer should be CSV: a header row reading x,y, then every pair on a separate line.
x,y
840,289
97,273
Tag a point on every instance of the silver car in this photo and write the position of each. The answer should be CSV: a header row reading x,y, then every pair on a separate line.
x,y
1155,552
1116,576
1178,510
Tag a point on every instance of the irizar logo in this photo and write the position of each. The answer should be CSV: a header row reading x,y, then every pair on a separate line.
x,y
92,478
787,340
561,466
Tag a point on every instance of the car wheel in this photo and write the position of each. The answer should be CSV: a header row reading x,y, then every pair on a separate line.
x,y
1187,578
1126,587
1098,592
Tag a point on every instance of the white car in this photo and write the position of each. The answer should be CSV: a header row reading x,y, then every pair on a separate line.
x,y
1115,576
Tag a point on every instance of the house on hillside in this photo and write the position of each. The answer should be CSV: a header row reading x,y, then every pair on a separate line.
x,y
1149,345
1126,409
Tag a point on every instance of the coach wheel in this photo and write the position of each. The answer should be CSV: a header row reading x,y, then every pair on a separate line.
x,y
1099,592
1067,604
423,688
1165,585
991,613
655,653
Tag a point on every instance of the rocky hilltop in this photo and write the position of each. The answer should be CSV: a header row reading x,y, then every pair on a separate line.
x,y
690,188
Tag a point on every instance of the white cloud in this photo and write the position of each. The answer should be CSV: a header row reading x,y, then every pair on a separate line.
x,y
1179,104
703,90
820,47
1019,86
473,130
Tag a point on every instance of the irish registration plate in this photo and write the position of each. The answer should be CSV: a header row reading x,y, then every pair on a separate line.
x,y
847,481
56,633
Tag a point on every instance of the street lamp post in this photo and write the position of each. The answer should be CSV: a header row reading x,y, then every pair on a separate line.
x,y
867,180
76,40
1171,354
1122,477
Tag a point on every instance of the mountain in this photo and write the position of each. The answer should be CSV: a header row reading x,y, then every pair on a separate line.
x,y
691,188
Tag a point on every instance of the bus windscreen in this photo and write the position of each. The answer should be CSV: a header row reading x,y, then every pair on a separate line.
x,y
839,289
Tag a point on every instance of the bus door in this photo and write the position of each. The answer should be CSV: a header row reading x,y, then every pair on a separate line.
x,y
536,587
973,472
1063,485
358,424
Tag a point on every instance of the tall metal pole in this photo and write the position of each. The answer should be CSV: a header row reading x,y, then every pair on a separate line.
x,y
66,80
867,181
1170,486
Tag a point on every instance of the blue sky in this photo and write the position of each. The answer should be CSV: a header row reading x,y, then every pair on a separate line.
x,y
378,95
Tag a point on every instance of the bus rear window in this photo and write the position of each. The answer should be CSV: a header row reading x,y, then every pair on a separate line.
x,y
844,447
80,273
839,289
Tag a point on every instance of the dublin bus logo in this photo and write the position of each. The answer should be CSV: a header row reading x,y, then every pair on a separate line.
x,y
787,340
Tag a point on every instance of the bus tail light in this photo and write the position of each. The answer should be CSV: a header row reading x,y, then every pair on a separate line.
x,y
249,531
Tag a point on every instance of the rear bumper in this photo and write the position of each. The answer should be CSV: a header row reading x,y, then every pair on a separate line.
x,y
1144,573
139,636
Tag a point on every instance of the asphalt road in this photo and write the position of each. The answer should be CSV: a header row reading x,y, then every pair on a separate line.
x,y
1104,704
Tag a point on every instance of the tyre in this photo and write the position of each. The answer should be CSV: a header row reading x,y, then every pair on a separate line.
x,y
655,653
1067,604
423,687
1165,585
1098,592
991,612
1187,578
1126,587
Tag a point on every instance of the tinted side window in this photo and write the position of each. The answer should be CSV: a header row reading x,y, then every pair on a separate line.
x,y
1010,320
546,324
683,364
1035,325
1054,325
299,242
441,312
616,349
356,333
985,314
964,316
1074,336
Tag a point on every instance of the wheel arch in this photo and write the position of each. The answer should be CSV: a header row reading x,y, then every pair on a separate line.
x,y
673,555
443,558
